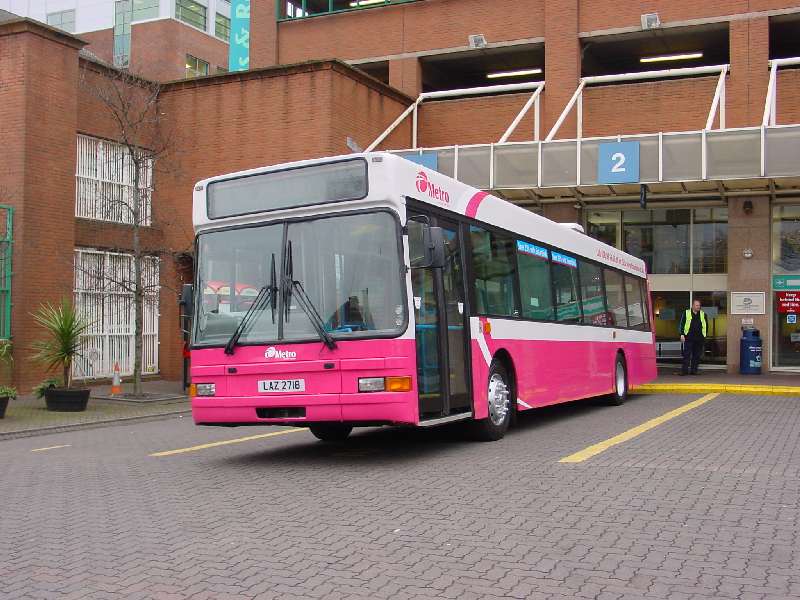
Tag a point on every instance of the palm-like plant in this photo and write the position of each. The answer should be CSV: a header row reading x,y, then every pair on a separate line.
x,y
65,328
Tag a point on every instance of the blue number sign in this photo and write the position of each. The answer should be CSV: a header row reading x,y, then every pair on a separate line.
x,y
239,52
618,162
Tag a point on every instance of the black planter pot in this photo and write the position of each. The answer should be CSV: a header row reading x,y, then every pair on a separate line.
x,y
3,406
63,400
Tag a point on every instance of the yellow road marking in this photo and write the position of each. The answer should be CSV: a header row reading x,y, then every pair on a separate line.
x,y
591,451
226,442
51,448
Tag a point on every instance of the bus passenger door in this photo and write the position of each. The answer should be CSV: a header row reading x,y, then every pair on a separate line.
x,y
439,312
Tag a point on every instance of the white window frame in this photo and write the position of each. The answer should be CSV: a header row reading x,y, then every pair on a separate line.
x,y
104,183
103,298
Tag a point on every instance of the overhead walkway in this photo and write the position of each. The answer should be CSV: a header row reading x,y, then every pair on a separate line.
x,y
686,164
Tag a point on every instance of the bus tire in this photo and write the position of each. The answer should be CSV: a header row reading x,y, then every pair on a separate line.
x,y
331,432
620,393
499,390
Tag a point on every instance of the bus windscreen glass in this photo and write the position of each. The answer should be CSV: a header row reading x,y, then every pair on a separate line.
x,y
349,266
291,188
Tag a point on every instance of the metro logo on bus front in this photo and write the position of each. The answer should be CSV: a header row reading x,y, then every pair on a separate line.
x,y
275,354
426,186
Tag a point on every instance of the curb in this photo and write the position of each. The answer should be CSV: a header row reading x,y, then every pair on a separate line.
x,y
24,433
723,388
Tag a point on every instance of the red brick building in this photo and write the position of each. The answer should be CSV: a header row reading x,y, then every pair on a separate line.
x,y
719,222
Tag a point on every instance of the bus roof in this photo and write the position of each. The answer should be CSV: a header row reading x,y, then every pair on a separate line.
x,y
393,179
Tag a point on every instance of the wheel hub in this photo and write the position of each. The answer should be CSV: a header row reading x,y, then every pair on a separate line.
x,y
498,399
620,380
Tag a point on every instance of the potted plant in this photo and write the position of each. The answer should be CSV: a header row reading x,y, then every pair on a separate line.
x,y
7,392
64,327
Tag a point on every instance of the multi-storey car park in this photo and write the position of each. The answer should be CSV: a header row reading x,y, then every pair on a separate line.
x,y
523,99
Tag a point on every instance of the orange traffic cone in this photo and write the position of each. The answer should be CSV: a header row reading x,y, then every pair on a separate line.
x,y
116,381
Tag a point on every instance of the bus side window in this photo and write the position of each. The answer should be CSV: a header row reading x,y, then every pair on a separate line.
x,y
615,298
636,310
494,270
592,298
565,285
534,281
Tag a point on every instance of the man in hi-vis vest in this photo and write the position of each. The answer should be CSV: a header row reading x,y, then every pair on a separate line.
x,y
693,329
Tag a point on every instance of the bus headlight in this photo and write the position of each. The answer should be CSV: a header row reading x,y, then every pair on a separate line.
x,y
371,384
384,384
206,389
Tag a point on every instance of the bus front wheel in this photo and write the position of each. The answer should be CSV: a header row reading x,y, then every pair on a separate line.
x,y
499,391
331,432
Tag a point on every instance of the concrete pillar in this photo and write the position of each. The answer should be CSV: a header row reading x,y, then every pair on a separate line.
x,y
264,50
405,74
749,75
748,231
562,53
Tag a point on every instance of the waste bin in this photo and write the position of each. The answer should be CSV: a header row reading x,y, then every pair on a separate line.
x,y
750,352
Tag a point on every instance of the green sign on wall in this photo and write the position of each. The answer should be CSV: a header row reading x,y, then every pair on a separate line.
x,y
786,282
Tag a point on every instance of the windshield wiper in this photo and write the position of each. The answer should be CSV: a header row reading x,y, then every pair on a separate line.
x,y
290,284
267,294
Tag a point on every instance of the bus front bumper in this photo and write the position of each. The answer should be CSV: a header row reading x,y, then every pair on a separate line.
x,y
371,408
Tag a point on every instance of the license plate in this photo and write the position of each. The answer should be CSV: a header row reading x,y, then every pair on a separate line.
x,y
282,385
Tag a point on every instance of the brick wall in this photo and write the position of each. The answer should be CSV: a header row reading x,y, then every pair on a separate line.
x,y
159,49
38,117
393,30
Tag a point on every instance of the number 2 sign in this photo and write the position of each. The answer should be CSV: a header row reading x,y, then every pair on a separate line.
x,y
618,162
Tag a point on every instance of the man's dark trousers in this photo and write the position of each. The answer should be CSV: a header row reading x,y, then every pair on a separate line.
x,y
692,350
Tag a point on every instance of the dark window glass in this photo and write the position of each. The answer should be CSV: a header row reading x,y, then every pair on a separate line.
x,y
636,310
615,298
593,299
316,184
494,271
565,286
534,281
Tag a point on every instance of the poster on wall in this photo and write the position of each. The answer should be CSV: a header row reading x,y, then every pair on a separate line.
x,y
748,303
787,302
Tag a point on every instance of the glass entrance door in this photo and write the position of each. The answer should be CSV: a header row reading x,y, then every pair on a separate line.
x,y
439,311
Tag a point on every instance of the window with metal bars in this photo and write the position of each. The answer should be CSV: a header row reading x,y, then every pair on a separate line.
x,y
105,187
299,9
104,286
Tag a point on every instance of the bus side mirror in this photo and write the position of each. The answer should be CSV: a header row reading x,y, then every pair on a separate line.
x,y
187,299
435,246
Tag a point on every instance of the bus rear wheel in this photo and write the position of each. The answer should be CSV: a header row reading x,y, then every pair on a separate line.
x,y
331,432
620,393
498,394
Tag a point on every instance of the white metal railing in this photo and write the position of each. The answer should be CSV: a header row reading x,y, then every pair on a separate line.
x,y
413,110
104,185
104,296
771,102
577,96
681,156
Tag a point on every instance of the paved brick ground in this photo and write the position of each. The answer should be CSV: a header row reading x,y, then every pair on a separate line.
x,y
703,506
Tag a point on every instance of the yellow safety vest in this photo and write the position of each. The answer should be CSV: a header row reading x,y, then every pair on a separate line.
x,y
688,321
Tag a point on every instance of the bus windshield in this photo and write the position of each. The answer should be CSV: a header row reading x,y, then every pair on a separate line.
x,y
348,265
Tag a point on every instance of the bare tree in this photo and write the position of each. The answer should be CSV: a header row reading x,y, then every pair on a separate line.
x,y
128,104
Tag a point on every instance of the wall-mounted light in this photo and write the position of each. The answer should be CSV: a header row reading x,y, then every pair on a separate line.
x,y
366,3
747,207
669,57
518,73
747,253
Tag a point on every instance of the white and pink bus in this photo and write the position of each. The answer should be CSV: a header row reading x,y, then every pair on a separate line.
x,y
367,290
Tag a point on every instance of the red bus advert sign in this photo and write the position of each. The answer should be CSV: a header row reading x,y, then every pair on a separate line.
x,y
788,302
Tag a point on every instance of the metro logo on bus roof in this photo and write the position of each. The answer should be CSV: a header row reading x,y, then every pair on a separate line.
x,y
565,260
531,249
426,186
